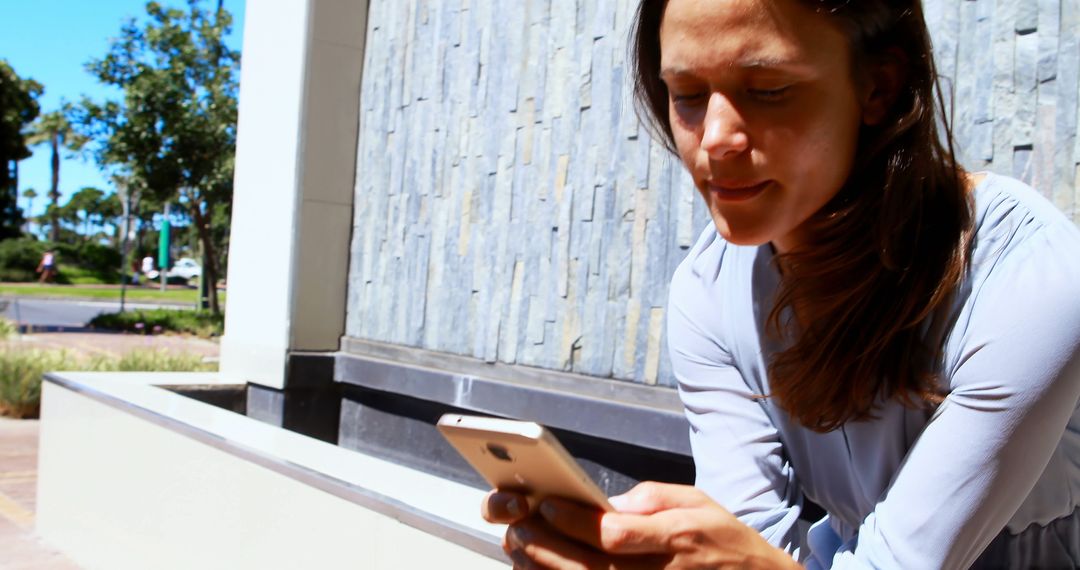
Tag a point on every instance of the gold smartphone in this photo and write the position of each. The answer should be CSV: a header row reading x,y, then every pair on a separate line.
x,y
521,456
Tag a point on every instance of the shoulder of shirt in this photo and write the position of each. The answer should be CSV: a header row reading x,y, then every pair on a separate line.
x,y
709,261
999,198
1014,223
705,257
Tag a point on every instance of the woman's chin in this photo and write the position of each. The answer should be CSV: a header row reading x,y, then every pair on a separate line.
x,y
741,236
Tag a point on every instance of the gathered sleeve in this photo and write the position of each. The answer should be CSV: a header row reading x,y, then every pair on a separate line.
x,y
737,450
1014,384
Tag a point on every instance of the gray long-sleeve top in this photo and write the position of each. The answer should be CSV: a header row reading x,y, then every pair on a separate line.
x,y
991,477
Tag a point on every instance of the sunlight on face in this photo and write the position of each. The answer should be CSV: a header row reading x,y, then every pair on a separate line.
x,y
764,111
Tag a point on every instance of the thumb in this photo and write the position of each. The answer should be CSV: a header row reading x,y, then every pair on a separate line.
x,y
651,497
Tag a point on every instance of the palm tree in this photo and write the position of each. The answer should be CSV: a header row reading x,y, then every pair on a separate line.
x,y
29,194
110,210
88,201
53,128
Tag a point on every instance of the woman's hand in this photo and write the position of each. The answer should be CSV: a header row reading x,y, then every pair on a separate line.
x,y
657,526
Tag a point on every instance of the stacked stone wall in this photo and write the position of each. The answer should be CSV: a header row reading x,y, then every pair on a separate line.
x,y
1013,69
509,206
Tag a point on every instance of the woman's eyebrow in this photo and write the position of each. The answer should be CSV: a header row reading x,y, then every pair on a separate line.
x,y
758,63
769,63
673,72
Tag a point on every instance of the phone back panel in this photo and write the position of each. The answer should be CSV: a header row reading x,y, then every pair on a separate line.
x,y
522,457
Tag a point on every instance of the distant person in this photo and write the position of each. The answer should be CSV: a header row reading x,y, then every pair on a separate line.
x,y
148,267
47,267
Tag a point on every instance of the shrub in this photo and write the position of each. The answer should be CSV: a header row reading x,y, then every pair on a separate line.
x,y
99,258
87,263
21,372
82,263
20,379
21,255
11,275
199,323
151,360
65,252
67,260
7,328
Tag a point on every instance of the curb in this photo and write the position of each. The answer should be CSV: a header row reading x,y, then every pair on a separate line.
x,y
73,299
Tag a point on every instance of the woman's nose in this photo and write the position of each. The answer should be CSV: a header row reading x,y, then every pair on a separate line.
x,y
724,133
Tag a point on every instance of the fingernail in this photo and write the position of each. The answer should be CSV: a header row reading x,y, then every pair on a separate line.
x,y
513,508
520,559
519,536
620,502
548,510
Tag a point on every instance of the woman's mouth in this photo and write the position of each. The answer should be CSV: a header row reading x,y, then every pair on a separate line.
x,y
736,191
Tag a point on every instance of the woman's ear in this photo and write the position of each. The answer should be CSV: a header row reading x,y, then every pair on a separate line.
x,y
886,78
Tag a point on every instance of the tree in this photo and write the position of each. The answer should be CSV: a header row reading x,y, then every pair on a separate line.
x,y
175,132
84,207
60,221
18,108
54,129
109,211
29,194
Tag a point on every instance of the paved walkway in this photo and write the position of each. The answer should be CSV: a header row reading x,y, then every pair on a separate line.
x,y
107,343
20,548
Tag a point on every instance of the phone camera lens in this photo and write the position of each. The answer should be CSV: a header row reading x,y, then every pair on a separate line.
x,y
499,452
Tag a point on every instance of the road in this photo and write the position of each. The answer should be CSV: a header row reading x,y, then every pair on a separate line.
x,y
60,314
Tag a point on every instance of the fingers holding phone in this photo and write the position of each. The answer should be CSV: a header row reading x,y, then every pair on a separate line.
x,y
532,473
656,526
504,507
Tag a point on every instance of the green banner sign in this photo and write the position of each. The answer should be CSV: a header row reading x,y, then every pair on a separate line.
x,y
163,243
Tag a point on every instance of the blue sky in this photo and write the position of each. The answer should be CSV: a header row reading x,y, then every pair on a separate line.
x,y
50,41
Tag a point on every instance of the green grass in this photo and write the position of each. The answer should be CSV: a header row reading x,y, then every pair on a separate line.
x,y
199,323
110,292
79,276
21,372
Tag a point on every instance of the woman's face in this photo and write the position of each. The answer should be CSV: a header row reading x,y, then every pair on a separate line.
x,y
764,111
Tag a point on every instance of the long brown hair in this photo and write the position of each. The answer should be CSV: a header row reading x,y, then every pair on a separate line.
x,y
885,255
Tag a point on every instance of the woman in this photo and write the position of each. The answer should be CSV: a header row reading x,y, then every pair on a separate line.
x,y
47,267
867,326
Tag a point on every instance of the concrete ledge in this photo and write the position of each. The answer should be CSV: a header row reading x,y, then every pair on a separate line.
x,y
132,475
649,416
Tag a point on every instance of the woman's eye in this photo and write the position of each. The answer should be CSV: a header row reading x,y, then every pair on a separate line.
x,y
770,95
689,97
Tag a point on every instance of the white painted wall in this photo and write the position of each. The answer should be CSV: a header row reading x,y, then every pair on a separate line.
x,y
117,491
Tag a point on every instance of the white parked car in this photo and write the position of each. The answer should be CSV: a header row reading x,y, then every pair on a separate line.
x,y
185,268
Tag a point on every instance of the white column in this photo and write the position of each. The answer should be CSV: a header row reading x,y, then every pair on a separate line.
x,y
292,204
